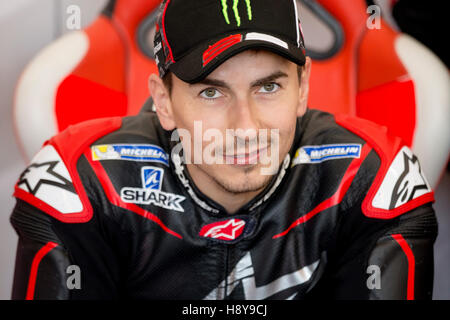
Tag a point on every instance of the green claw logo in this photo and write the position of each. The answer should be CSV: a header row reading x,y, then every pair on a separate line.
x,y
236,11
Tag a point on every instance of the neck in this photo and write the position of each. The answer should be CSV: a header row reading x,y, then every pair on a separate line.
x,y
232,202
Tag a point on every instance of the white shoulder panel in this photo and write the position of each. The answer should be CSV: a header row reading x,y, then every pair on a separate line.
x,y
404,182
48,180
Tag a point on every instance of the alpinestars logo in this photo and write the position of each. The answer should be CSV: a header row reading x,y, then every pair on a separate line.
x,y
38,174
236,11
244,274
150,193
404,181
48,180
227,230
410,183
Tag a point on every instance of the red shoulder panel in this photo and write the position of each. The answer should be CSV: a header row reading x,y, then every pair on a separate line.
x,y
52,182
399,185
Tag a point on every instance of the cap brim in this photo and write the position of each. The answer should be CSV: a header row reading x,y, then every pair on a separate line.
x,y
192,68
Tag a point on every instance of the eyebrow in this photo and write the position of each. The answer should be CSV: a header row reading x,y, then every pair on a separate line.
x,y
271,78
257,83
212,82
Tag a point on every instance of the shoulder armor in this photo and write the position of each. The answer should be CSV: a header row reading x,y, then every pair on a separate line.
x,y
400,184
52,183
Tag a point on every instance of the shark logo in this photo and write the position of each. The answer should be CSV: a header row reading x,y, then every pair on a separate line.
x,y
404,181
152,178
236,11
150,193
243,276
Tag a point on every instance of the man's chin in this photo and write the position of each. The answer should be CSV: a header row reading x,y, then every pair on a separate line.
x,y
242,182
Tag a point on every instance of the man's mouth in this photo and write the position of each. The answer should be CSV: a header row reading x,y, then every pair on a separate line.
x,y
244,159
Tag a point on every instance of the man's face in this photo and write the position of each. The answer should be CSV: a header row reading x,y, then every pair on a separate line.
x,y
252,100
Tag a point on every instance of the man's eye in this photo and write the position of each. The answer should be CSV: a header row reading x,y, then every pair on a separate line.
x,y
269,88
210,93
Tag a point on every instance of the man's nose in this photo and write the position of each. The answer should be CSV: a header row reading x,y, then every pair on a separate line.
x,y
245,118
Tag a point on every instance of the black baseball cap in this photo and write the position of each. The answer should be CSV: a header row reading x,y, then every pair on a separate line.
x,y
193,37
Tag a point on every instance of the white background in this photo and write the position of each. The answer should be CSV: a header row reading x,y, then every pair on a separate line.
x,y
26,26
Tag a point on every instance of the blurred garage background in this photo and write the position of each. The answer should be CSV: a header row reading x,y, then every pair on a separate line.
x,y
26,27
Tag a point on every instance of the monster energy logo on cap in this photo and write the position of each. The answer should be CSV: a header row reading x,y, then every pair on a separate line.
x,y
236,11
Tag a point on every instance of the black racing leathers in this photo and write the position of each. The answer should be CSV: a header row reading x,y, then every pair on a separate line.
x,y
105,211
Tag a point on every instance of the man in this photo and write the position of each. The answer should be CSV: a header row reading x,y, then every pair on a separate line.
x,y
232,189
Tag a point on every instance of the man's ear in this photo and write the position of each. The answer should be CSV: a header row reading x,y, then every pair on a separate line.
x,y
304,88
162,101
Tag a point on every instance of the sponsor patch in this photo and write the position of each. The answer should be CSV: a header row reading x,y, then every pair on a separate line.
x,y
227,230
318,154
150,193
152,178
48,180
403,182
130,152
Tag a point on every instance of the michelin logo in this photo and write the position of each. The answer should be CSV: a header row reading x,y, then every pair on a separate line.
x,y
150,193
130,152
318,154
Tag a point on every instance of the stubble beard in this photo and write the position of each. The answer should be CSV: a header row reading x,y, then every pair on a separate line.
x,y
245,185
